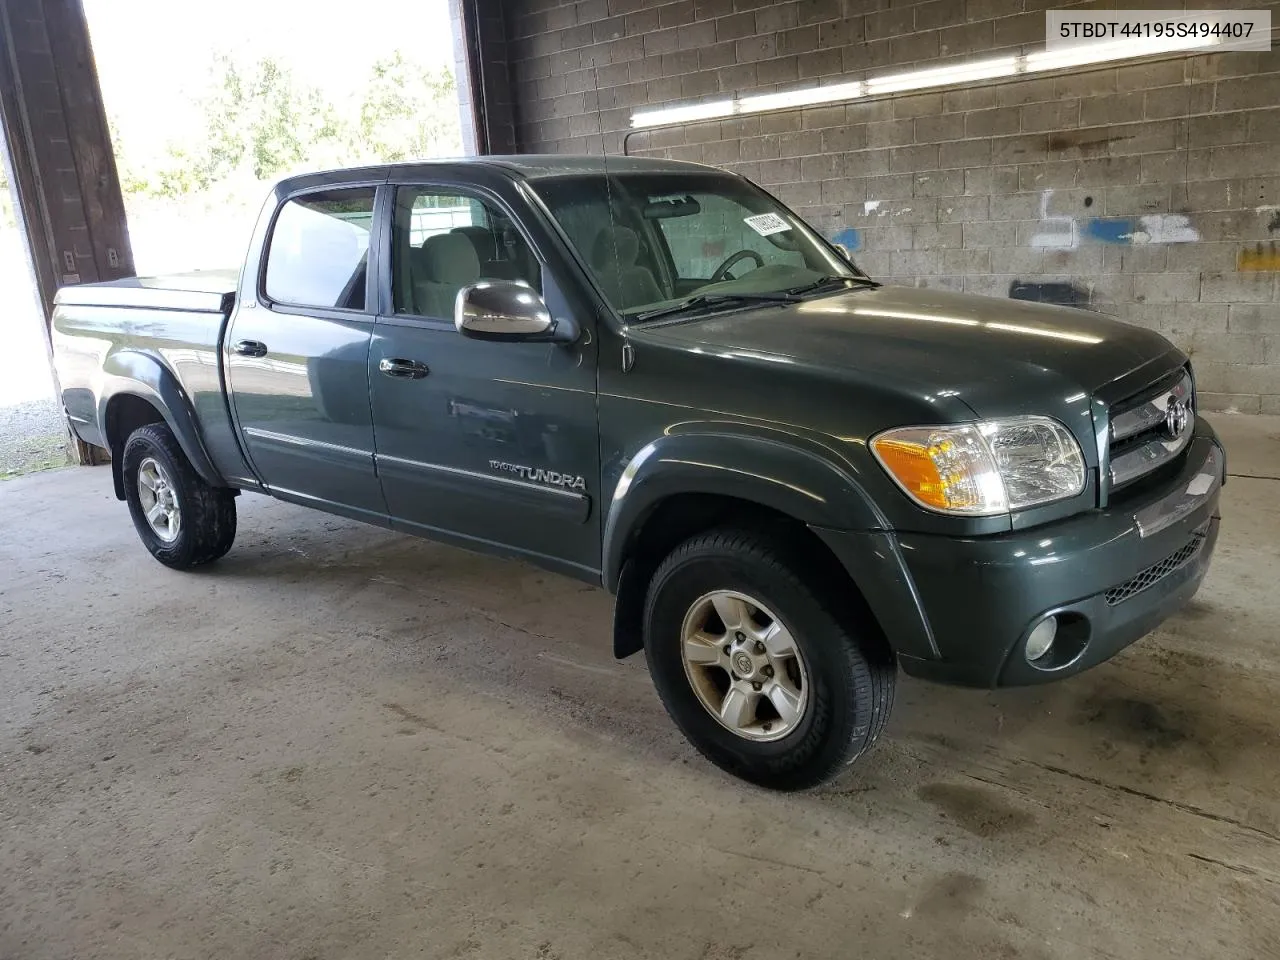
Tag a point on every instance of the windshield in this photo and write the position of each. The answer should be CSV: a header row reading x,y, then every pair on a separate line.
x,y
655,240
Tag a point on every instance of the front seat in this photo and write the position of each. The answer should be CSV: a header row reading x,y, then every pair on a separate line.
x,y
626,283
445,264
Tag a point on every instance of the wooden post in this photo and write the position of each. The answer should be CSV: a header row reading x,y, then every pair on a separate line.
x,y
58,154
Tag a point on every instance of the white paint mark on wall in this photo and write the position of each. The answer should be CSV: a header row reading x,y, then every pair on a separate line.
x,y
869,206
1164,228
1056,232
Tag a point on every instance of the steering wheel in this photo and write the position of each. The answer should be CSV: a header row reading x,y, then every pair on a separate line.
x,y
722,271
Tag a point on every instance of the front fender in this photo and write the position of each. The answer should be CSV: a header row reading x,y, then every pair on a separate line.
x,y
131,373
803,479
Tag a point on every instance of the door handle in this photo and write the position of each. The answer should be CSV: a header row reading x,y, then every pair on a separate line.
x,y
404,369
250,348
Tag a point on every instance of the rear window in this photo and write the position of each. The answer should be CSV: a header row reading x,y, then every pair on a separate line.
x,y
319,251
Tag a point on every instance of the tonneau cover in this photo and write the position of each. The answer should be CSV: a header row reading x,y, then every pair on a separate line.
x,y
205,291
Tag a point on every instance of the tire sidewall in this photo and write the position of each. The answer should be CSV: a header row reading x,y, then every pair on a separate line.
x,y
829,717
178,552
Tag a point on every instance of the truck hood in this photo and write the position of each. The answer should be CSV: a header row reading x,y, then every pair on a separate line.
x,y
996,355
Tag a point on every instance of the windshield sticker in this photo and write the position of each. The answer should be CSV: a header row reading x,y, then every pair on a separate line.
x,y
766,223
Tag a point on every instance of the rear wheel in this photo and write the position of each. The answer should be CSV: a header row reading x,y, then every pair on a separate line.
x,y
768,673
180,518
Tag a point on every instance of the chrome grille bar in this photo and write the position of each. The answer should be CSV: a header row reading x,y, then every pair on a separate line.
x,y
1148,435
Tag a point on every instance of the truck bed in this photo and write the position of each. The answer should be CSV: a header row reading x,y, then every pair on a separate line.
x,y
206,291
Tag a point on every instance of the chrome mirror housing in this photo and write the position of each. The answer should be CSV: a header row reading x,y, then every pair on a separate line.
x,y
503,310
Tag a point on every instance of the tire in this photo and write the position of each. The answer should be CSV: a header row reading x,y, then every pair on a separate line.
x,y
846,671
206,516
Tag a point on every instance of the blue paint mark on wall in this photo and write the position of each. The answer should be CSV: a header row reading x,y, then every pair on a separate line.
x,y
848,238
1111,229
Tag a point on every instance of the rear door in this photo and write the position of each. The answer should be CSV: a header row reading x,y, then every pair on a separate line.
x,y
297,355
489,444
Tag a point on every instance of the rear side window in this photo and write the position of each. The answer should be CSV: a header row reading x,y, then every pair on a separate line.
x,y
319,251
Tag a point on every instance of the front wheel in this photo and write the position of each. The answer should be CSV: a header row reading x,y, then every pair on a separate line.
x,y
769,675
183,521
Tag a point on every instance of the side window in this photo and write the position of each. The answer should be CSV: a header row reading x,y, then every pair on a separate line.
x,y
319,250
443,241
702,241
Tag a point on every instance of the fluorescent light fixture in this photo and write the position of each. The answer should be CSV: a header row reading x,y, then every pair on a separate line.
x,y
950,75
684,113
831,93
1106,52
944,76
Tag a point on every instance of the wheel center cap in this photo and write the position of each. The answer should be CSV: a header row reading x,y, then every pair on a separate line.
x,y
743,664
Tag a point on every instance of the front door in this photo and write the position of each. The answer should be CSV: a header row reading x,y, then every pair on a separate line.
x,y
487,444
297,357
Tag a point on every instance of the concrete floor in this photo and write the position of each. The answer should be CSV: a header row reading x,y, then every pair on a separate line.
x,y
343,743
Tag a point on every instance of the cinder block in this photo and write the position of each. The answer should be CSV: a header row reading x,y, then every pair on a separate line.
x,y
897,186
845,138
721,152
1026,148
1243,379
803,143
695,85
1242,160
867,56
756,48
1052,174
1166,287
1239,287
952,284
939,13
992,181
914,48
1264,126
1229,402
1116,108
815,118
1022,260
844,190
947,126
1086,83
1215,130
988,235
989,123
1015,206
991,285
920,157
778,70
1246,93
1270,405
964,153
1146,198
841,32
936,236
779,171
966,262
1054,115
886,237
917,105
774,17
889,23
658,42
696,36
760,148
683,61
969,98
1156,73
891,133
1019,29
735,27
821,63
1163,168
1254,318
1167,102
969,39
1019,92
801,40
939,183
1211,257
963,209
823,167
814,11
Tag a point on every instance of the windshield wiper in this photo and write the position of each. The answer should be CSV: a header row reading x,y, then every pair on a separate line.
x,y
701,300
821,282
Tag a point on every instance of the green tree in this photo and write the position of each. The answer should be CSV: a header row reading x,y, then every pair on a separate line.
x,y
409,111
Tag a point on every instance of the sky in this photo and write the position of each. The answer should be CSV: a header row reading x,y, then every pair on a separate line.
x,y
154,56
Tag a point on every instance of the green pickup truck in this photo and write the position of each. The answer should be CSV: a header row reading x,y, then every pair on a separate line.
x,y
653,377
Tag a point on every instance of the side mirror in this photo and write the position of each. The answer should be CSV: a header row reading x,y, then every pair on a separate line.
x,y
507,310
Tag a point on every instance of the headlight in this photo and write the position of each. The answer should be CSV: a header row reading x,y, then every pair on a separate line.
x,y
981,469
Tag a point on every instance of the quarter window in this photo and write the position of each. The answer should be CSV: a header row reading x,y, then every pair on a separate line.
x,y
319,251
444,241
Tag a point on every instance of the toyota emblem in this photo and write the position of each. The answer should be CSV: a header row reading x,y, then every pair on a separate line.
x,y
1177,417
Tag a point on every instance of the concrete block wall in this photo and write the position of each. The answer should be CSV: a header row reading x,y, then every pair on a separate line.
x,y
1147,191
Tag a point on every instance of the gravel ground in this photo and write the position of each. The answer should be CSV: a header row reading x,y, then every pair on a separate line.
x,y
33,436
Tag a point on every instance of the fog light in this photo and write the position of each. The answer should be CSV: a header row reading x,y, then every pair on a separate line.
x,y
1041,640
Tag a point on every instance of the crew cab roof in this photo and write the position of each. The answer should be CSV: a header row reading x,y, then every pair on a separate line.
x,y
524,166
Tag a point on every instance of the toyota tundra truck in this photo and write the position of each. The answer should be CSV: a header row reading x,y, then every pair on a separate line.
x,y
654,377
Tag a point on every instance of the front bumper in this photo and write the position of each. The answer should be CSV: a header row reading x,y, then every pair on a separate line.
x,y
1111,575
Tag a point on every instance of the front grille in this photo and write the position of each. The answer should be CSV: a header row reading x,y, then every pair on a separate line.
x,y
1158,571
1142,436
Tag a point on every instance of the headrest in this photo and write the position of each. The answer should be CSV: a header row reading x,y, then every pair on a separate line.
x,y
615,245
482,239
450,258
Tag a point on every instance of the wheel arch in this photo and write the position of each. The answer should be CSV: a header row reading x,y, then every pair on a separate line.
x,y
140,390
684,484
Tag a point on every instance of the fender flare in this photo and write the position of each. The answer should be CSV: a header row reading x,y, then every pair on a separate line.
x,y
131,373
793,475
